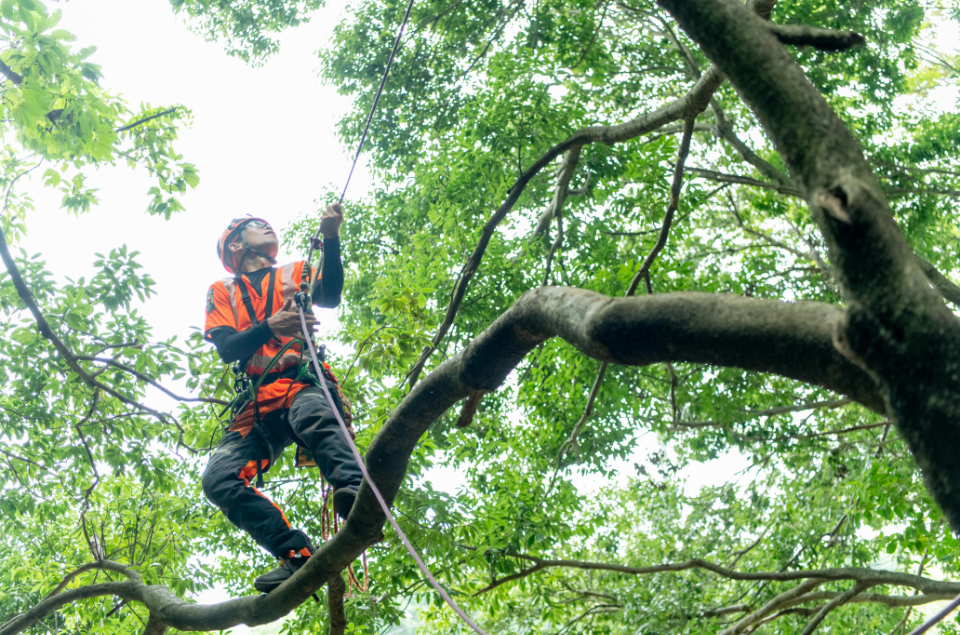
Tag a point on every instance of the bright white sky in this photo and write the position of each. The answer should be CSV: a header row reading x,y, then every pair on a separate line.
x,y
263,140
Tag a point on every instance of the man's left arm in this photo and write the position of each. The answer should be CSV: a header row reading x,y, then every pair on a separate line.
x,y
327,293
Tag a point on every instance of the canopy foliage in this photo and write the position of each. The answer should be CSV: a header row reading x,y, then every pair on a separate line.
x,y
573,479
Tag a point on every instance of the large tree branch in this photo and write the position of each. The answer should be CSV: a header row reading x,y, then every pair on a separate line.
x,y
793,340
895,326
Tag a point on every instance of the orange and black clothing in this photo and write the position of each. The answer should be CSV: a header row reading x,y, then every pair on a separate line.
x,y
287,410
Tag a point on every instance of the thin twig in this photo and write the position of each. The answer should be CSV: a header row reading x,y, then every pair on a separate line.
x,y
149,380
146,119
644,270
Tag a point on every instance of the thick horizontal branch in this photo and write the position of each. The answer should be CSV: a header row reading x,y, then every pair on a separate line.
x,y
789,339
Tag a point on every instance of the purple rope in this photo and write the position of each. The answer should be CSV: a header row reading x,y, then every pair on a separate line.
x,y
936,619
373,486
373,109
319,369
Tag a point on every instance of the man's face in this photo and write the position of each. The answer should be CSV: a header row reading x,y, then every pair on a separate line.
x,y
260,237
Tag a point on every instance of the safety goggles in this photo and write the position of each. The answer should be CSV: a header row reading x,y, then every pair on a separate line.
x,y
258,224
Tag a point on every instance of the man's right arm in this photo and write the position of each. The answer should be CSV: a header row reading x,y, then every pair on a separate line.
x,y
233,346
220,328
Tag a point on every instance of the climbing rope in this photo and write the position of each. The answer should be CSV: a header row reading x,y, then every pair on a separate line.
x,y
303,305
314,242
373,486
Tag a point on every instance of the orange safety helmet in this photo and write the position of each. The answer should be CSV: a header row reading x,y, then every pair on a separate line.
x,y
229,235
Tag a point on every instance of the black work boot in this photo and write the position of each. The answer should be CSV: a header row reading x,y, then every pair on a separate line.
x,y
343,500
272,579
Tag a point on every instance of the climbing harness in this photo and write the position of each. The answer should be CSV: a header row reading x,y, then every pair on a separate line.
x,y
303,306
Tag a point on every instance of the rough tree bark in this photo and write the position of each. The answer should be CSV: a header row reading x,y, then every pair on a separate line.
x,y
895,325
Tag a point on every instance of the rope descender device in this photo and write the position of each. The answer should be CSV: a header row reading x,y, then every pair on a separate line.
x,y
302,299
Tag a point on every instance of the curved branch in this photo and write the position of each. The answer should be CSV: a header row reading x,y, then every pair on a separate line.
x,y
149,380
873,577
793,340
687,107
99,565
68,356
125,590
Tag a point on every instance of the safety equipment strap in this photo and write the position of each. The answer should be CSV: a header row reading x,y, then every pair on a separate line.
x,y
252,313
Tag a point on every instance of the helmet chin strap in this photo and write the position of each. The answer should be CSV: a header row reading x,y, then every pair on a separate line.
x,y
260,254
248,249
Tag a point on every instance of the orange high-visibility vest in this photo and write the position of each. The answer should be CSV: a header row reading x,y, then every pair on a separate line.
x,y
225,307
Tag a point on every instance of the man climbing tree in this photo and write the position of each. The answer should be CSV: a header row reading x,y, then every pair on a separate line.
x,y
769,183
284,403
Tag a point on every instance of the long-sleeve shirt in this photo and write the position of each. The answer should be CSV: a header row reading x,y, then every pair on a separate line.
x,y
233,345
